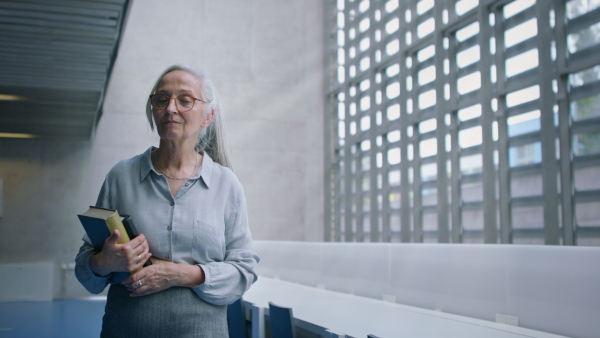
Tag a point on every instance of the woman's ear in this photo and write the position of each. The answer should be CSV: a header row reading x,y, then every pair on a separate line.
x,y
208,118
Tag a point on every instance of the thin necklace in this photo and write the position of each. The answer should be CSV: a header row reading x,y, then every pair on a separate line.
x,y
168,175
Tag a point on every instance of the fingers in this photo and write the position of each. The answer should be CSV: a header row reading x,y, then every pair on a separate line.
x,y
135,285
137,247
140,260
140,283
139,240
113,238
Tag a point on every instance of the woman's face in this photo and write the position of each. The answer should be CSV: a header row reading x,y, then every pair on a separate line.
x,y
170,122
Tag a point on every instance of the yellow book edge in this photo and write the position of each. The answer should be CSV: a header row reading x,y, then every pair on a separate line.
x,y
114,223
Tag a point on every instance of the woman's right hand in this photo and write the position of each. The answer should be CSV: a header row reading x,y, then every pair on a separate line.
x,y
116,257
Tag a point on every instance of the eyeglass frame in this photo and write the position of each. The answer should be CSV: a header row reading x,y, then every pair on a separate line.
x,y
176,103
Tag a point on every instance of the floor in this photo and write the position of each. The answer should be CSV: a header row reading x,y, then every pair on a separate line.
x,y
60,318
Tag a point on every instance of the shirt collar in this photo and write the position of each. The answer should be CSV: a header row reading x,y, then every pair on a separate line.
x,y
204,172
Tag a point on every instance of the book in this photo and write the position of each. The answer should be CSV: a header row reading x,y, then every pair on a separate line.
x,y
100,223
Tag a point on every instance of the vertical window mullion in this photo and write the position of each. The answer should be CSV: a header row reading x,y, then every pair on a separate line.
x,y
548,131
504,175
487,119
564,123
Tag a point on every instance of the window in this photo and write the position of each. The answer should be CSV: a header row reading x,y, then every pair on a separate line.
x,y
462,123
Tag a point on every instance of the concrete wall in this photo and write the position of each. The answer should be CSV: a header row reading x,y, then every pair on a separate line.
x,y
265,58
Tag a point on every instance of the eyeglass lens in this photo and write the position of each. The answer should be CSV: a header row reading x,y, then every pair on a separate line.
x,y
161,101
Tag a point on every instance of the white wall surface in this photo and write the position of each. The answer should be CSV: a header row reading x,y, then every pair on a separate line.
x,y
265,58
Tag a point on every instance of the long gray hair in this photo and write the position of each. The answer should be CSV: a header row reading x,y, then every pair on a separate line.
x,y
211,140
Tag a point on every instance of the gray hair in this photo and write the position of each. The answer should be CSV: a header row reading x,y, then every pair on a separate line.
x,y
211,140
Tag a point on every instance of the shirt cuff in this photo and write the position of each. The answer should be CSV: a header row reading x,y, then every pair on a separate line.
x,y
92,282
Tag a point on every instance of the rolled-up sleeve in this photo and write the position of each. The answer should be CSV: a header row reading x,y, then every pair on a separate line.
x,y
93,283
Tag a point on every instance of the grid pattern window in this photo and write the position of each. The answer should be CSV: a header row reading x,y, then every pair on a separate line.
x,y
463,121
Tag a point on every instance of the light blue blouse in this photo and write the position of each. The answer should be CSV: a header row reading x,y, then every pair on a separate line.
x,y
205,224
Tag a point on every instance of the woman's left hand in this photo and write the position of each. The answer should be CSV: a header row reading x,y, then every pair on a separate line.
x,y
162,275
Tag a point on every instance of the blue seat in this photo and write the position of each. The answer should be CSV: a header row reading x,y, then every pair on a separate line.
x,y
282,323
236,321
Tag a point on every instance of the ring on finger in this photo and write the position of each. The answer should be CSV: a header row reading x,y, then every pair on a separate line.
x,y
140,283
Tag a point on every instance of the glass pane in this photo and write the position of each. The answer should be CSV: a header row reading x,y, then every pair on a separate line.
x,y
467,57
472,224
393,112
429,196
393,136
463,6
469,83
522,186
426,28
365,103
427,99
427,126
394,178
428,148
526,154
392,26
528,225
516,7
588,214
583,39
470,137
472,192
522,62
467,32
426,75
429,172
586,143
522,96
520,33
430,227
587,178
523,123
471,164
393,156
586,108
393,90
469,113
394,200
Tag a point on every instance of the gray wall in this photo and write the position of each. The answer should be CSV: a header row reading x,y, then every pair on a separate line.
x,y
266,59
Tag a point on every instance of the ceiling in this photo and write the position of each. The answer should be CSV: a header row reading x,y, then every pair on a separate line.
x,y
55,62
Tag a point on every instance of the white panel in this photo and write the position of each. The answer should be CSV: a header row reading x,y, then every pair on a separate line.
x,y
27,282
359,269
463,279
548,288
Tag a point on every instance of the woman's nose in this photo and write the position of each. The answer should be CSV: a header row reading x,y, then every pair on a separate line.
x,y
172,106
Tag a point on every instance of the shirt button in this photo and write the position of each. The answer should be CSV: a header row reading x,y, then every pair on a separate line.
x,y
169,228
172,203
186,184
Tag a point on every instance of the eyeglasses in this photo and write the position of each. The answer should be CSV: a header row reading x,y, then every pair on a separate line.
x,y
183,102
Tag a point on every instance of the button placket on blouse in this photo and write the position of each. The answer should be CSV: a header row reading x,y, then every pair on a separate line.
x,y
170,231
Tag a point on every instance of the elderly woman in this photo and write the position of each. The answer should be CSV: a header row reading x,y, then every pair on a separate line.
x,y
191,212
